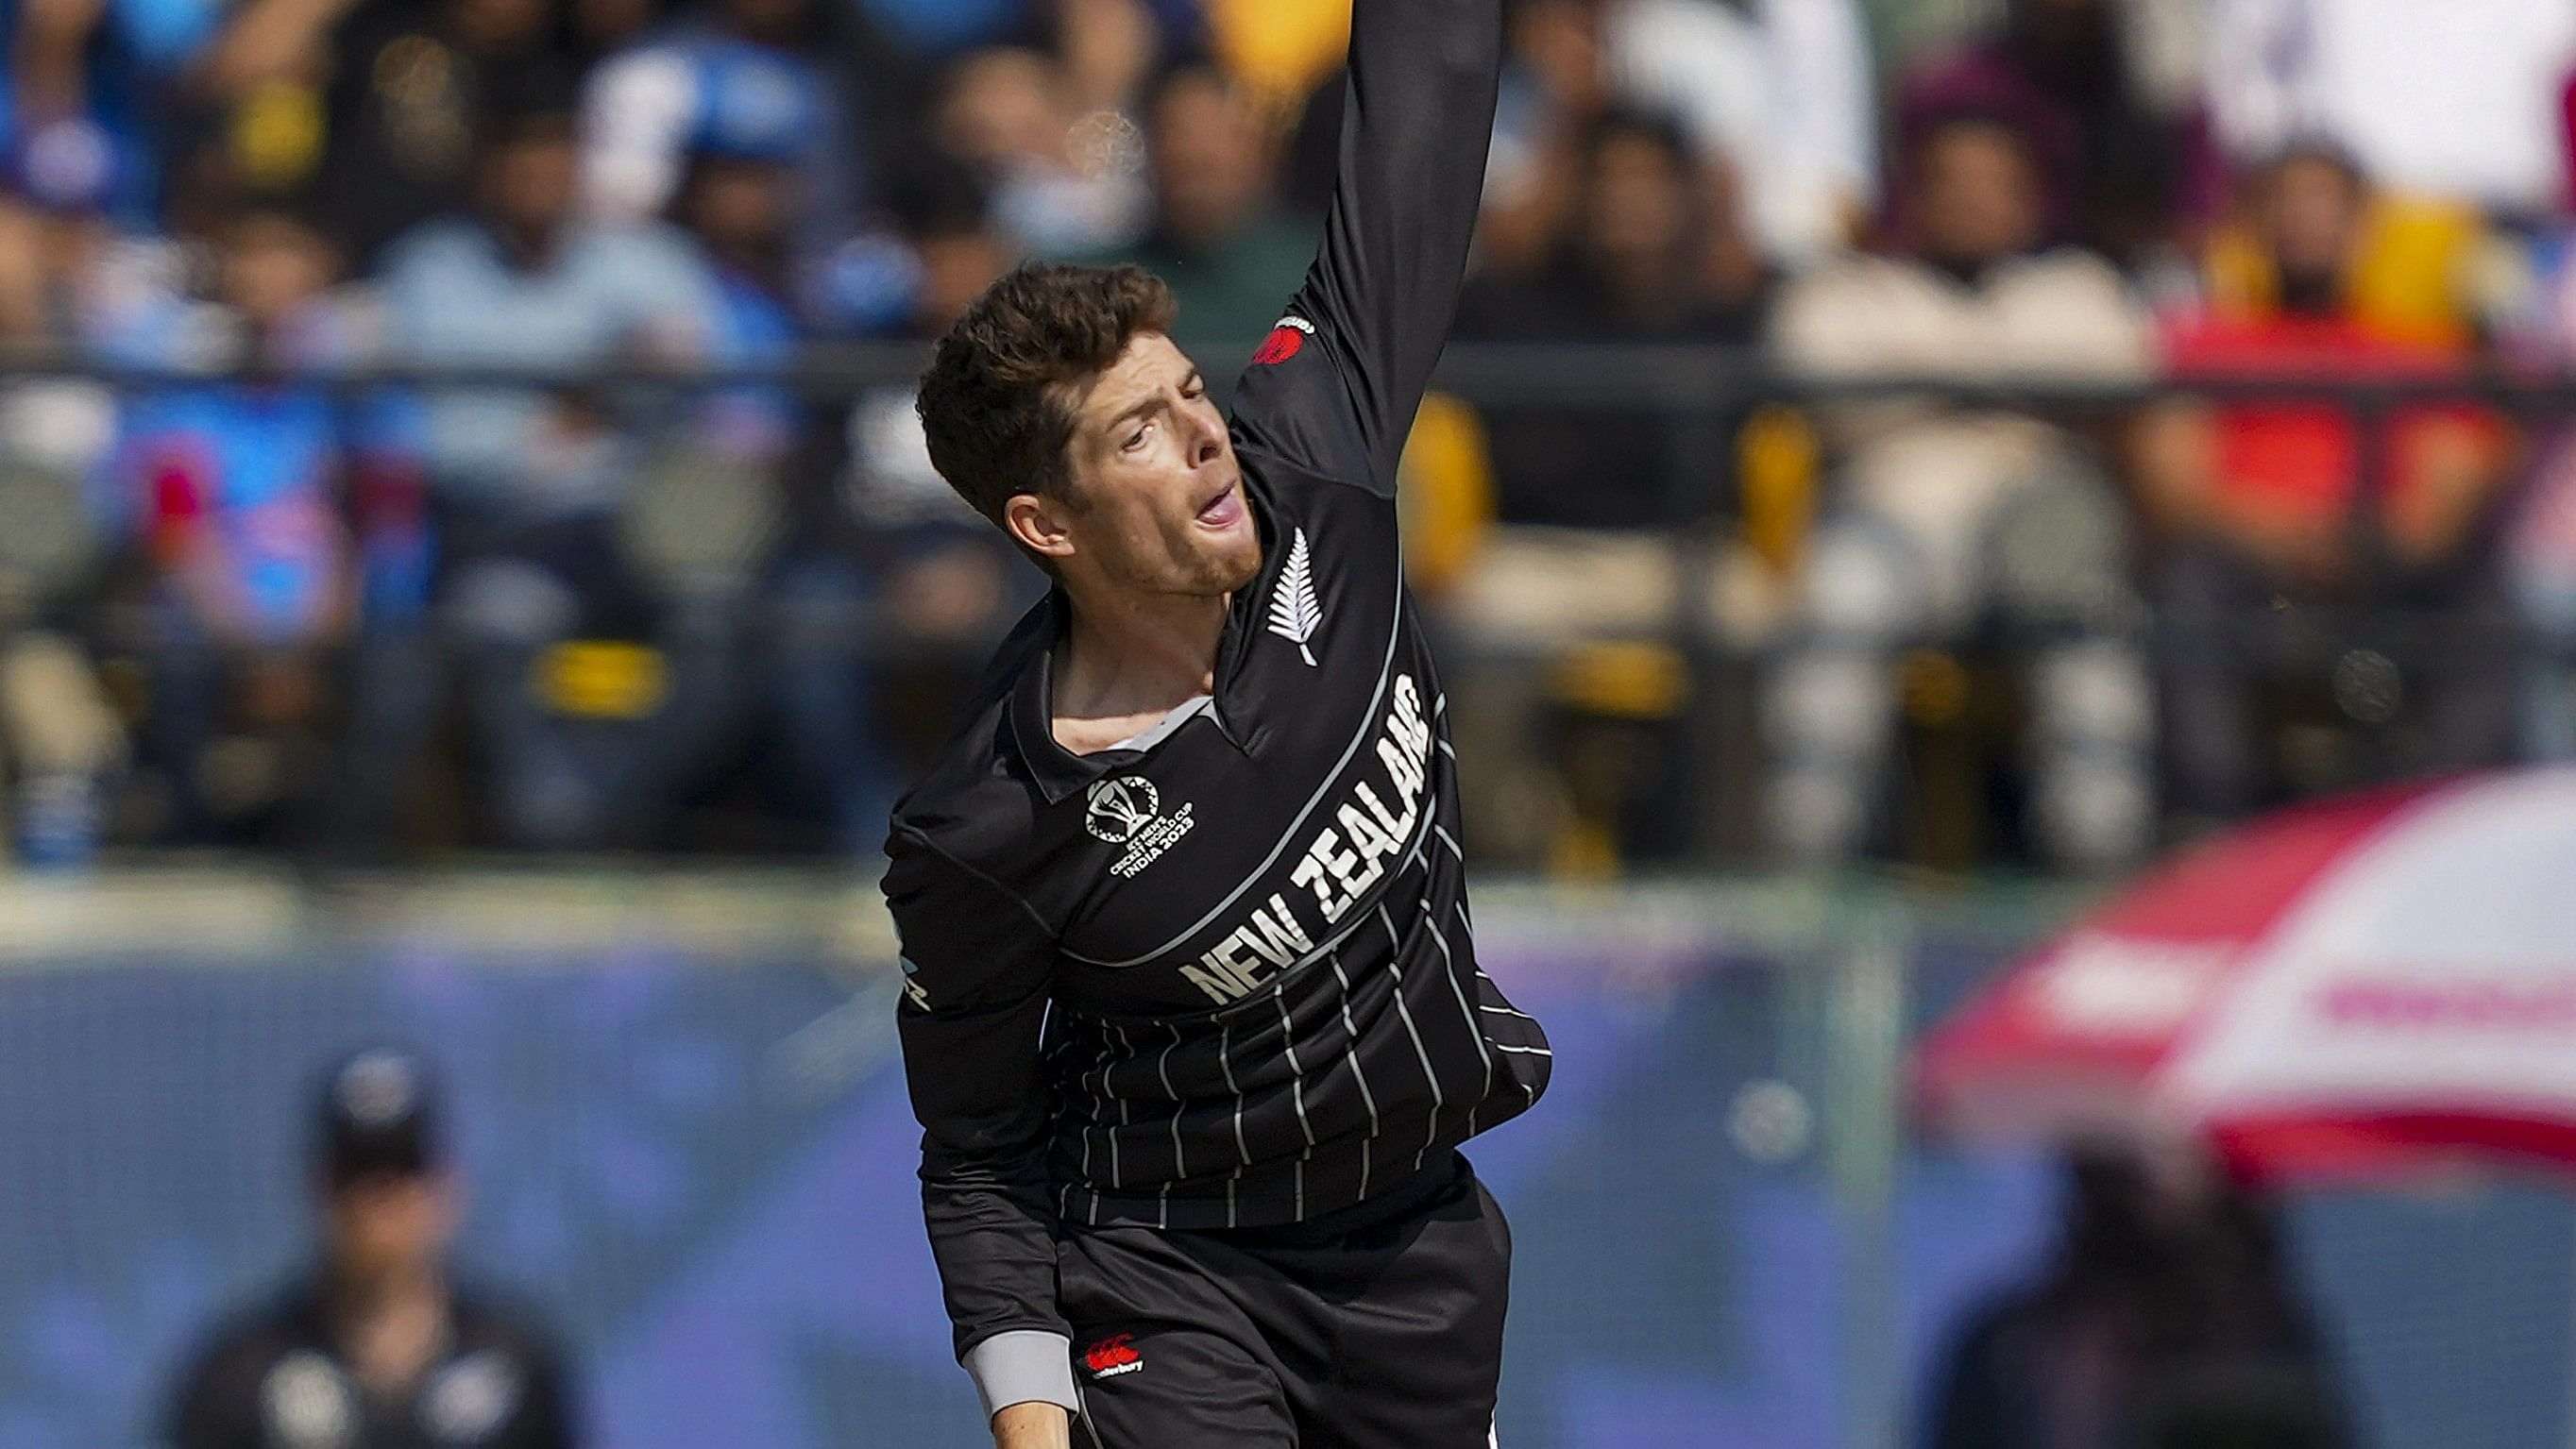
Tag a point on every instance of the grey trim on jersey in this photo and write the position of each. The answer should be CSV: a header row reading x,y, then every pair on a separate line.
x,y
1430,1074
1351,1030
1475,1029
1164,728
1023,1366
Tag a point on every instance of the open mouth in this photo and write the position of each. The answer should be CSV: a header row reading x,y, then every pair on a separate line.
x,y
1224,510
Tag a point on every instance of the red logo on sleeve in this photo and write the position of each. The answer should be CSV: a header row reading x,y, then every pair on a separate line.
x,y
1284,341
1282,345
1113,1356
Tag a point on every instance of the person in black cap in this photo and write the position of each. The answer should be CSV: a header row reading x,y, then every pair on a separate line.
x,y
379,1349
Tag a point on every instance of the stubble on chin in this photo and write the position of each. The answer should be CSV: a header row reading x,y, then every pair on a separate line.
x,y
1194,568
1213,568
1239,567
1233,567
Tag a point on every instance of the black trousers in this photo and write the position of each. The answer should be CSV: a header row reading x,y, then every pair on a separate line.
x,y
1379,1327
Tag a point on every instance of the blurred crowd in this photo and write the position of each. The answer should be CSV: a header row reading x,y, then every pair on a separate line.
x,y
557,603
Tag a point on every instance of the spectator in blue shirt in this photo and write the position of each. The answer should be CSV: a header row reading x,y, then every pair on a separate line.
x,y
736,205
739,199
806,617
525,283
807,81
89,76
271,514
942,589
588,605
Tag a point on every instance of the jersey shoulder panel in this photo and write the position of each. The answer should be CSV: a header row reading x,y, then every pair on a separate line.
x,y
977,803
1294,408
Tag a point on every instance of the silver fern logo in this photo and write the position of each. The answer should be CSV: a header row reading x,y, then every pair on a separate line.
x,y
1295,613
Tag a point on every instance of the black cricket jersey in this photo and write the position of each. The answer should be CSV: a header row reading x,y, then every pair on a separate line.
x,y
274,1379
1227,980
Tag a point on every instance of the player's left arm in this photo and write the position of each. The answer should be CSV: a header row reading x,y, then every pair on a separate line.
x,y
978,971
1337,386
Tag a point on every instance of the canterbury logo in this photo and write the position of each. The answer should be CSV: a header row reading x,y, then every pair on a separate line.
x,y
1113,1356
1295,613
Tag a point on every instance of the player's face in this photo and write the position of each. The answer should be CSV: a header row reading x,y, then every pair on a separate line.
x,y
1158,504
388,1224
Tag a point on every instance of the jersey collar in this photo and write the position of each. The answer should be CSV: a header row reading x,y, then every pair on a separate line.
x,y
1059,772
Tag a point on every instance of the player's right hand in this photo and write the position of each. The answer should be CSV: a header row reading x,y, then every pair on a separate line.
x,y
1035,1425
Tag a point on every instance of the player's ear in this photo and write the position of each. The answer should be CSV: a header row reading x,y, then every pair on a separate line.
x,y
1039,524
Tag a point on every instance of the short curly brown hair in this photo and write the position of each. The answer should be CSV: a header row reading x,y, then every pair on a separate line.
x,y
998,400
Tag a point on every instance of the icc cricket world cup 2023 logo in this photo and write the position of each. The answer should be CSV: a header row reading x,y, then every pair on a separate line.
x,y
1121,807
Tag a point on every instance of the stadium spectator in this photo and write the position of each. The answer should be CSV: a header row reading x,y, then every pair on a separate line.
x,y
523,282
85,85
409,86
2123,147
379,1347
799,604
788,72
1658,254
1218,233
271,514
60,742
958,249
737,202
892,490
1572,542
1955,525
1779,90
943,585
2263,509
1062,182
797,139
1777,93
58,254
529,486
2169,1316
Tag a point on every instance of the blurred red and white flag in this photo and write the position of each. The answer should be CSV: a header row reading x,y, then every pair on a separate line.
x,y
2379,983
